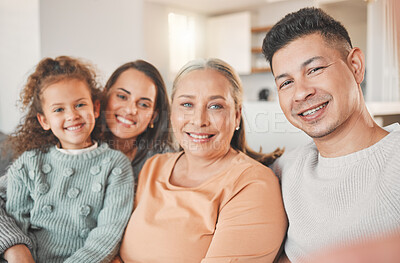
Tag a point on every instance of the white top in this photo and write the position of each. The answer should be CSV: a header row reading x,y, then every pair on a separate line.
x,y
78,151
343,200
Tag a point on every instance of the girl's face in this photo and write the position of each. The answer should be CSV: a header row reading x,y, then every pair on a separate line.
x,y
69,113
131,103
203,114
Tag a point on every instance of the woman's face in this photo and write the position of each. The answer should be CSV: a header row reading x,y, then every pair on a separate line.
x,y
130,105
203,114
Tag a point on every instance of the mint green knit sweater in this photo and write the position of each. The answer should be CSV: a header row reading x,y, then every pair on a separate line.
x,y
73,207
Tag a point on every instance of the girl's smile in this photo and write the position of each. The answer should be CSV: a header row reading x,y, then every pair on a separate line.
x,y
68,111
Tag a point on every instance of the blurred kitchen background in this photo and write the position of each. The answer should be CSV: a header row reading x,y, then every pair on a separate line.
x,y
168,33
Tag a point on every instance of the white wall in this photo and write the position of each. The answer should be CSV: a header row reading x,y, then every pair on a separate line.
x,y
19,52
273,12
156,44
108,33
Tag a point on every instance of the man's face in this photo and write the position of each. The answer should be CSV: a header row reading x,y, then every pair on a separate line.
x,y
318,89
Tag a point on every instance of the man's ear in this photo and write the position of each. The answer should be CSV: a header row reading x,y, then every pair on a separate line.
x,y
43,121
96,108
356,62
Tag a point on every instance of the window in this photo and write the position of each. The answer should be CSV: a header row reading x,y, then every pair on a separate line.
x,y
182,47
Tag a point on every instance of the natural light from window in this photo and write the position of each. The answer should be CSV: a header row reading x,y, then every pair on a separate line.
x,y
181,40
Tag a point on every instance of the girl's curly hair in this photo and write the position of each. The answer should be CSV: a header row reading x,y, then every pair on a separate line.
x,y
29,134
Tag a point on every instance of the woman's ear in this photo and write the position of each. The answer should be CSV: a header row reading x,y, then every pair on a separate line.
x,y
238,116
43,121
153,118
356,62
96,108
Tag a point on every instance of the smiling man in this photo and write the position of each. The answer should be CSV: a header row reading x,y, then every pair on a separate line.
x,y
344,187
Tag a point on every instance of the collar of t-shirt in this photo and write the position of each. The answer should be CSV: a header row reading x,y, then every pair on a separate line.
x,y
78,151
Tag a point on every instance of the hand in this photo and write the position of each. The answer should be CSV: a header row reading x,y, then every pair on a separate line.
x,y
384,249
18,254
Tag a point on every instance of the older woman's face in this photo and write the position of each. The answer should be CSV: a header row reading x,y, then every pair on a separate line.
x,y
130,106
203,114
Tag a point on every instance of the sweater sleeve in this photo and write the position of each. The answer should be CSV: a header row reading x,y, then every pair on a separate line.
x,y
19,204
252,223
10,234
102,243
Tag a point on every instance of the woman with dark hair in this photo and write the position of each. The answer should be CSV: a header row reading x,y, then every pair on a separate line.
x,y
214,201
135,112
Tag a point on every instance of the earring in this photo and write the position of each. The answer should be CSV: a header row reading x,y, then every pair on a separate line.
x,y
151,126
237,128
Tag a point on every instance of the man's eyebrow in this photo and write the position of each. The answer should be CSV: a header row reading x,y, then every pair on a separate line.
x,y
303,65
309,61
284,75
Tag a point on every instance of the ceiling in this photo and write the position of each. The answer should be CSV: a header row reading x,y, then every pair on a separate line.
x,y
213,7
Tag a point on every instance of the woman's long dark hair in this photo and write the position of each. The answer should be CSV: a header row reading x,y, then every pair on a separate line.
x,y
157,138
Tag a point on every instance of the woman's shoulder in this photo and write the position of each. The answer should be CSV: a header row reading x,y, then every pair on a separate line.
x,y
158,166
250,163
247,176
249,170
162,162
163,158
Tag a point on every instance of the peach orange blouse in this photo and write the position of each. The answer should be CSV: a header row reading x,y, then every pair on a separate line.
x,y
236,216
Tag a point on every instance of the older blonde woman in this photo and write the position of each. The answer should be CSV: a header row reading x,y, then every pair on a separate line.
x,y
210,202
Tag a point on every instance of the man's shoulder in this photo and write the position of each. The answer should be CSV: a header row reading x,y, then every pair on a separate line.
x,y
293,157
390,146
300,152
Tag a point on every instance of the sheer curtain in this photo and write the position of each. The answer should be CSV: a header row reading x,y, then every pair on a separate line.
x,y
383,50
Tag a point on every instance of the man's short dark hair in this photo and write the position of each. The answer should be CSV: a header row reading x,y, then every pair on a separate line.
x,y
304,22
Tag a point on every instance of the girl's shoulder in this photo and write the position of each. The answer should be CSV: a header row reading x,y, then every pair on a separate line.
x,y
26,162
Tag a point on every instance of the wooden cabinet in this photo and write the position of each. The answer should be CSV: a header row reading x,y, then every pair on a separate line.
x,y
258,63
229,38
232,39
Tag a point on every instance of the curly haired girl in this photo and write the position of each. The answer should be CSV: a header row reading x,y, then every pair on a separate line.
x,y
70,194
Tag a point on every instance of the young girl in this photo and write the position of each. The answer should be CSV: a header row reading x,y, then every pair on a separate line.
x,y
72,196
135,116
